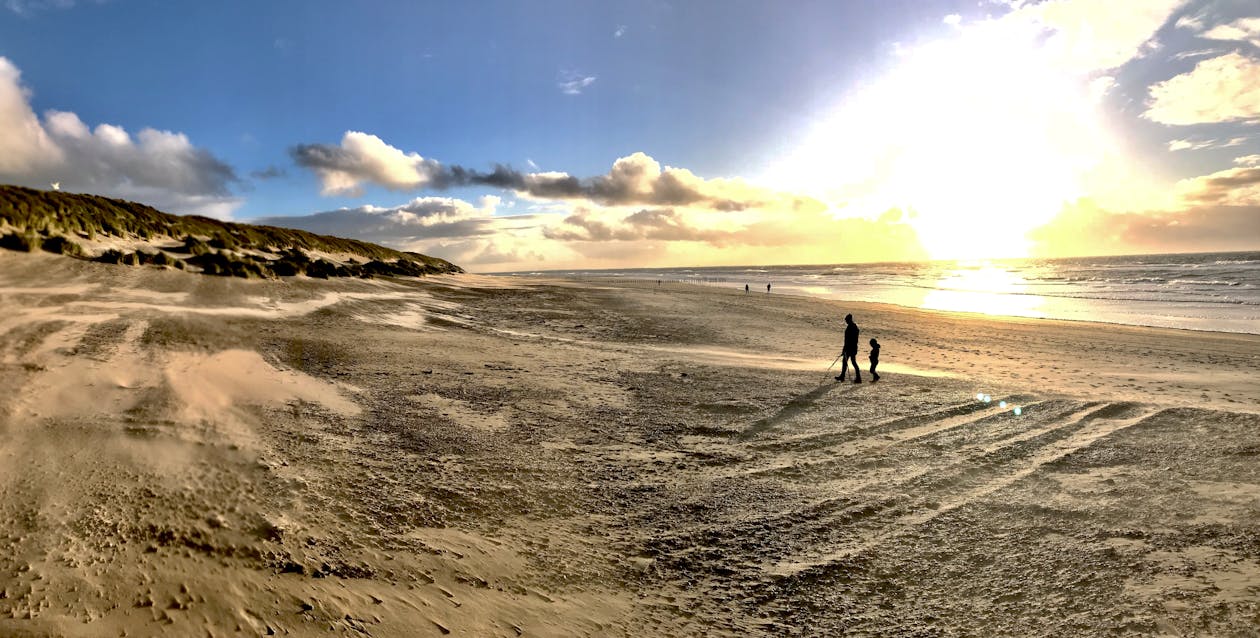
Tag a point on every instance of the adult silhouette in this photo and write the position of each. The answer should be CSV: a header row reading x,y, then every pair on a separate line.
x,y
849,353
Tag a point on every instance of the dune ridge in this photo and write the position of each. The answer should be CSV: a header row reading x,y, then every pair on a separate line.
x,y
122,232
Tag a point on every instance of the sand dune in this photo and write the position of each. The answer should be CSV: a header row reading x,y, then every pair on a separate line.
x,y
480,456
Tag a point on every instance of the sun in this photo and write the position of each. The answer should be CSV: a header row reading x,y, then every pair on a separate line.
x,y
979,138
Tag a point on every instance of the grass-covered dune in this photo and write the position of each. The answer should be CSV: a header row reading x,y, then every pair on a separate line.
x,y
123,232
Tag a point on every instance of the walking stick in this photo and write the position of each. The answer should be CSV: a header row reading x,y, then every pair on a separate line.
x,y
833,364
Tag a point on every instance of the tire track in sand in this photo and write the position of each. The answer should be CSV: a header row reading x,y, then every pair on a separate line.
x,y
960,413
857,504
842,446
937,494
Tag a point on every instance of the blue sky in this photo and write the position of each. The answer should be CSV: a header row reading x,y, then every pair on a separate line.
x,y
762,102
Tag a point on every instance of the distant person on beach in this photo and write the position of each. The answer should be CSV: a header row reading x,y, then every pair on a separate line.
x,y
745,289
849,353
767,289
874,359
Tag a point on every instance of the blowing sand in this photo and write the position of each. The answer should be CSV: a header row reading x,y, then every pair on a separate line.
x,y
190,455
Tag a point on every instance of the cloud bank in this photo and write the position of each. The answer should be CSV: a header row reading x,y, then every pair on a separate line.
x,y
160,168
1084,229
636,179
419,219
439,226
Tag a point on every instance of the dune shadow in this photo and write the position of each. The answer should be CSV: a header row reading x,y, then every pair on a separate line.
x,y
793,408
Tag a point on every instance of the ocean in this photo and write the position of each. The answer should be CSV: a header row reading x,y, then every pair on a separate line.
x,y
1204,291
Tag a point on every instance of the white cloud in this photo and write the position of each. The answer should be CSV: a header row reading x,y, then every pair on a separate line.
x,y
621,31
1198,53
1100,86
25,147
25,7
1087,35
160,168
1191,22
1188,145
952,19
364,158
1240,30
1195,145
1220,89
1247,160
574,84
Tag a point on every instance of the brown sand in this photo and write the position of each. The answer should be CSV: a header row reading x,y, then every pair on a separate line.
x,y
188,455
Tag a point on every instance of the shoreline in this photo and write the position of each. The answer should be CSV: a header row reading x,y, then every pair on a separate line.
x,y
1213,292
981,315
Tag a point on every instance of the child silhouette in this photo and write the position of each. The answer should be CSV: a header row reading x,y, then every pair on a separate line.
x,y
874,358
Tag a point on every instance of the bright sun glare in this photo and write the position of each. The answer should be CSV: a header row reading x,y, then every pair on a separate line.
x,y
978,139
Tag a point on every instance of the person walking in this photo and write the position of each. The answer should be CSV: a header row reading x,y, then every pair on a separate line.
x,y
874,359
745,289
849,353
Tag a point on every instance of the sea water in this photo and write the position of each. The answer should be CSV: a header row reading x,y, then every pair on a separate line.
x,y
1204,291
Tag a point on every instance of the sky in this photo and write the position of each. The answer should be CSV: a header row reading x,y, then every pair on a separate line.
x,y
508,136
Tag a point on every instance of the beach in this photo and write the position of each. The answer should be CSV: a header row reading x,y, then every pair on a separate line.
x,y
501,456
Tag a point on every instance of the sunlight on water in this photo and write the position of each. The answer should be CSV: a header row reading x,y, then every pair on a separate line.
x,y
1207,291
819,291
983,288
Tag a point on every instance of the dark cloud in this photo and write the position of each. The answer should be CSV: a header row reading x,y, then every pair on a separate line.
x,y
1219,187
271,172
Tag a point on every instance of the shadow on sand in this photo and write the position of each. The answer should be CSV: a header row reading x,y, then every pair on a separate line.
x,y
794,407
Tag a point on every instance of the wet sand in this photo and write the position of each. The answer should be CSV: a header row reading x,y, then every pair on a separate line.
x,y
191,455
